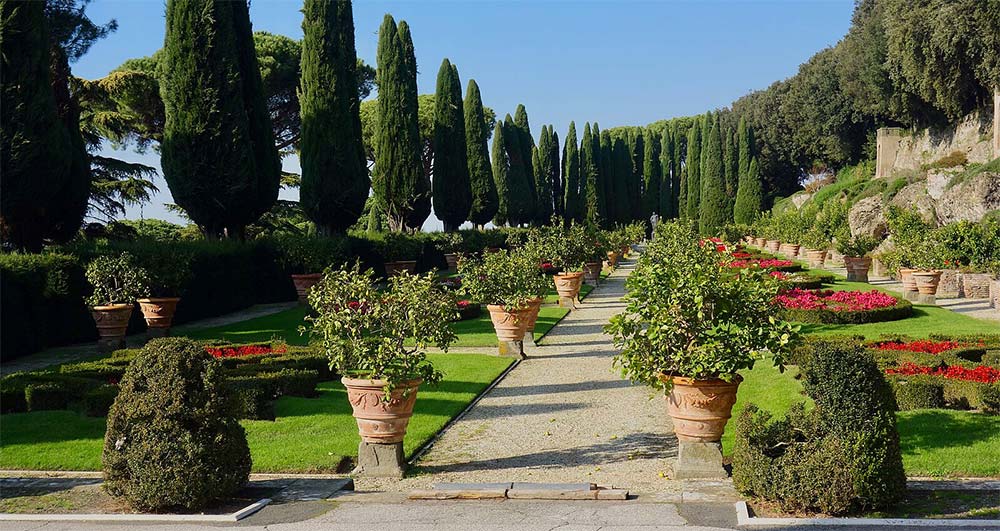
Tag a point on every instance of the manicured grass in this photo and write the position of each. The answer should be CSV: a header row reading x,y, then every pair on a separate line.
x,y
479,332
308,435
768,389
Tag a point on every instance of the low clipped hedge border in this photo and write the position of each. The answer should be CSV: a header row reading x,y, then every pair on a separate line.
x,y
901,310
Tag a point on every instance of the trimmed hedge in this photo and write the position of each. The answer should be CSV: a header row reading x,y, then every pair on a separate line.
x,y
901,310
917,392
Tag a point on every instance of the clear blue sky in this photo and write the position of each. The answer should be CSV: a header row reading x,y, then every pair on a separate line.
x,y
614,62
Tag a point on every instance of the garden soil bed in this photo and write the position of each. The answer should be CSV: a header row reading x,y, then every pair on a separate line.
x,y
929,504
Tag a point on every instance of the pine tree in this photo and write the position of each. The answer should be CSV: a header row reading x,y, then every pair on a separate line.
x,y
542,159
520,206
217,154
452,193
622,158
749,196
36,150
714,202
554,172
667,168
588,169
692,171
422,198
652,175
399,180
501,176
527,142
574,206
744,135
335,179
607,178
484,189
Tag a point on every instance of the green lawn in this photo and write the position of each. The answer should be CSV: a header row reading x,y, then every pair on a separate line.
x,y
308,435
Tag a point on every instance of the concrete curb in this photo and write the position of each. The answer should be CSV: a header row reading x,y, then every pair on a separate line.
x,y
743,519
120,518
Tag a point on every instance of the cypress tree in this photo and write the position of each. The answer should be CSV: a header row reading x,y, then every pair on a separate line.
x,y
588,168
520,205
484,189
600,176
399,180
622,163
638,154
707,121
527,142
692,170
71,200
714,201
749,196
607,178
679,141
452,192
542,159
667,169
652,175
730,162
554,173
744,135
335,179
36,151
501,176
217,154
422,198
574,207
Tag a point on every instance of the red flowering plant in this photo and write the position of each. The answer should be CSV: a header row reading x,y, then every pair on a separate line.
x,y
837,301
241,351
982,373
763,263
927,346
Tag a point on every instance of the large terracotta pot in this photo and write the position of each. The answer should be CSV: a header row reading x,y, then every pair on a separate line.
x,y
906,277
700,408
568,284
792,249
926,281
816,258
613,259
159,311
509,326
112,321
303,283
592,272
761,242
773,245
394,268
857,268
452,260
534,305
380,421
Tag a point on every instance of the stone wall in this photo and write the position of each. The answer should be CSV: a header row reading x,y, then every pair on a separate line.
x,y
996,122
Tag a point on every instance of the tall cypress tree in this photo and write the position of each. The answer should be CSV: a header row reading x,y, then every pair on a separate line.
x,y
730,162
607,178
218,154
543,175
622,157
555,173
744,135
601,177
692,167
749,196
72,198
652,175
574,206
335,179
452,191
667,168
484,189
714,202
422,199
679,140
501,176
520,207
399,180
588,168
638,153
527,142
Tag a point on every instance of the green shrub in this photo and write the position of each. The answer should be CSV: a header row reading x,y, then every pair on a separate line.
x,y
990,399
917,393
97,401
42,396
250,399
955,158
172,440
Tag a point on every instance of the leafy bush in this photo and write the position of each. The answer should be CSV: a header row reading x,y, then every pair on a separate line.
x,y
857,246
507,278
955,158
842,456
310,254
172,440
116,280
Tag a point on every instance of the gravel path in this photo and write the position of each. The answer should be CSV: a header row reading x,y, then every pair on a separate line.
x,y
563,415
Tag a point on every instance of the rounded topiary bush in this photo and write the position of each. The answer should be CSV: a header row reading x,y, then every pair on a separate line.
x,y
172,440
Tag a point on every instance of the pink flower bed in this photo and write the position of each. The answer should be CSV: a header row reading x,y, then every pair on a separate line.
x,y
766,263
837,301
244,350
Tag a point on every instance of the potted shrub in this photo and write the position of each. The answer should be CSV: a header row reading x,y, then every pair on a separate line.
x,y
510,285
399,251
377,340
570,250
305,257
816,243
617,241
592,268
857,256
168,275
451,245
710,323
117,283
925,257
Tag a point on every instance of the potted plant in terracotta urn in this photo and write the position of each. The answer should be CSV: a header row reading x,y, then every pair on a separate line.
x,y
451,245
689,327
399,251
925,256
616,242
117,281
569,250
816,243
169,273
377,339
304,258
592,268
857,256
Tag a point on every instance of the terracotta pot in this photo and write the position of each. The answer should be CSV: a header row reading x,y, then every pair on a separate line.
x,y
568,284
394,268
452,260
613,259
159,312
792,249
700,408
773,245
534,305
816,258
509,326
303,283
906,277
380,421
112,321
857,268
761,242
926,281
592,272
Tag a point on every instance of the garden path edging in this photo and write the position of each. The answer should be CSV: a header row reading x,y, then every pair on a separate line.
x,y
743,519
120,518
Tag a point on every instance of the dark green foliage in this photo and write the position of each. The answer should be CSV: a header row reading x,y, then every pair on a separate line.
x,y
520,208
97,402
172,440
218,153
652,175
634,188
527,142
730,163
451,187
547,176
918,393
335,179
714,208
691,188
574,206
543,203
749,195
484,190
669,167
46,395
552,166
398,181
593,190
622,168
841,457
40,156
72,199
501,176
421,203
745,147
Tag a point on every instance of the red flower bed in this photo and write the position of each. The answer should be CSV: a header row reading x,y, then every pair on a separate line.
x,y
766,263
244,350
463,304
740,255
981,374
922,345
837,301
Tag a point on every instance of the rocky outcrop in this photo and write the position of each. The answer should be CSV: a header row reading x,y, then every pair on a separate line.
x,y
915,195
970,200
866,217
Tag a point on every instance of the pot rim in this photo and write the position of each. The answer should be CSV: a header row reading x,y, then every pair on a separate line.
x,y
698,382
158,299
111,307
573,274
500,308
379,383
